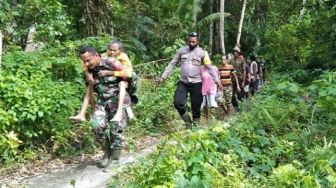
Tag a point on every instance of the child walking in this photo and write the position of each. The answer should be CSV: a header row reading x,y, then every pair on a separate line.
x,y
227,74
209,91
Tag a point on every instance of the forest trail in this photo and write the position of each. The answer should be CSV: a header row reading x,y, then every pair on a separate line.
x,y
83,175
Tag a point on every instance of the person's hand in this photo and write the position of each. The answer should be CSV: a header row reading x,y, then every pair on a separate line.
x,y
89,78
238,89
104,73
159,81
219,84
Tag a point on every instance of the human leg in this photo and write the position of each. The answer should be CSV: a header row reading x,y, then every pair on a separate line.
x,y
196,97
180,99
235,95
228,96
206,112
116,136
99,125
122,94
88,98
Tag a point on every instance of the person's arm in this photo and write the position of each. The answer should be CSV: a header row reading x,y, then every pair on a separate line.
x,y
236,79
255,71
244,74
88,77
171,65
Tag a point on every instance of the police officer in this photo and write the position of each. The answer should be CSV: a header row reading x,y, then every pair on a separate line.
x,y
190,58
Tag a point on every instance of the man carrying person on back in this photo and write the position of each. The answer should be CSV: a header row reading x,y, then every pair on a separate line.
x,y
107,132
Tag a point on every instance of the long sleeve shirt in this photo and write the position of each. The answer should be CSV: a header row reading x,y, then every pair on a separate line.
x,y
190,62
127,69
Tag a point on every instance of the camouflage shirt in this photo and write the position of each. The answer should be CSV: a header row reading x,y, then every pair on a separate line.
x,y
238,65
107,88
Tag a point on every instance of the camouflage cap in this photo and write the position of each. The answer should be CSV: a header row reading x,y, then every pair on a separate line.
x,y
237,49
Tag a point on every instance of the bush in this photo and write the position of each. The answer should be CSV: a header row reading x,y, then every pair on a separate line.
x,y
272,143
36,99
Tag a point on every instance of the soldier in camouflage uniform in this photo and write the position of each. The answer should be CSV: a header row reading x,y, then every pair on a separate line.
x,y
108,133
239,65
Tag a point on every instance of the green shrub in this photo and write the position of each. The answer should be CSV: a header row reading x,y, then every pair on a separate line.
x,y
272,143
36,99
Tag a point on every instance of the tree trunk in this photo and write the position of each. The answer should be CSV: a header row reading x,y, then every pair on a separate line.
x,y
303,10
30,44
97,17
194,14
241,23
221,26
211,28
1,37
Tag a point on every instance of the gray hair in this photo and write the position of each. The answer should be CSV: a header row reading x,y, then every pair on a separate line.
x,y
118,43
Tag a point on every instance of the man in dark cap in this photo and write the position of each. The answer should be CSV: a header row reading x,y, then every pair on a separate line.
x,y
190,58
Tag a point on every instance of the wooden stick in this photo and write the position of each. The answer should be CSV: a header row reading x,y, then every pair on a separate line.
x,y
152,62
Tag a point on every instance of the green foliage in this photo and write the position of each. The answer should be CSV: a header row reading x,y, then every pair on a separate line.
x,y
210,18
37,94
48,17
155,111
298,43
263,147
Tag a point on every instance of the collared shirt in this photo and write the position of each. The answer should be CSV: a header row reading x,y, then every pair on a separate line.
x,y
190,64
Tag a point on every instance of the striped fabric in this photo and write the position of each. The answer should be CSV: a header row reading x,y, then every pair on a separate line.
x,y
225,73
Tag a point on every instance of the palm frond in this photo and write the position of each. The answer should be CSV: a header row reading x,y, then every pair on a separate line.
x,y
182,5
210,18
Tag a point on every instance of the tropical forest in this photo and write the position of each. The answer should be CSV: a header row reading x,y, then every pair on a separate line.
x,y
165,94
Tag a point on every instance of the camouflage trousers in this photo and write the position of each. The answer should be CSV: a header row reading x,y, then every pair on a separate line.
x,y
107,131
227,96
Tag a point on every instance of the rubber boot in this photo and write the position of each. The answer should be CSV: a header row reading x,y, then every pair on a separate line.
x,y
113,160
106,158
115,155
187,120
196,122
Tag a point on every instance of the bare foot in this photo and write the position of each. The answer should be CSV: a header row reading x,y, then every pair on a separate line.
x,y
77,119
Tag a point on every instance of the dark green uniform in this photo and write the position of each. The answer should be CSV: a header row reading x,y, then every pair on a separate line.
x,y
107,90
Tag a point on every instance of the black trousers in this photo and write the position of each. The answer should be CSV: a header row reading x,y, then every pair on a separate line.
x,y
181,96
236,96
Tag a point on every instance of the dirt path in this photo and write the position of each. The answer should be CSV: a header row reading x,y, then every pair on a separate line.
x,y
77,174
